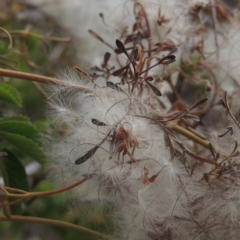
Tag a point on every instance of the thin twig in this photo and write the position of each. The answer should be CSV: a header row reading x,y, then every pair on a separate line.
x,y
9,36
57,223
41,79
44,193
190,135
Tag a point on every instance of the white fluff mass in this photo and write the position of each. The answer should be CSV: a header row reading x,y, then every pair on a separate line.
x,y
152,194
117,139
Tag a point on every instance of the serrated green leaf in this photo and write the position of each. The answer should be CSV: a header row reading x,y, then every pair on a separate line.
x,y
21,128
21,118
9,94
26,145
14,176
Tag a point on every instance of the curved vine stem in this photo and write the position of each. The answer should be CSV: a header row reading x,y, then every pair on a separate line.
x,y
24,195
17,218
9,36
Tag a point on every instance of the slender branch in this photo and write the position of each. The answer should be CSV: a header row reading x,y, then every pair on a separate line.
x,y
30,76
9,36
5,189
53,222
41,79
197,139
191,135
200,158
8,204
36,194
63,189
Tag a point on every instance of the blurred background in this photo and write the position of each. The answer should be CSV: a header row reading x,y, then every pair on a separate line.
x,y
41,45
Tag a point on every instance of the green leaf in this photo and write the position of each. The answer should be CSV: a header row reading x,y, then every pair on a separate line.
x,y
21,128
14,176
21,118
9,94
26,145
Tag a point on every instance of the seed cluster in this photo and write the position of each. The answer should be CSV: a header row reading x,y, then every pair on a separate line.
x,y
138,127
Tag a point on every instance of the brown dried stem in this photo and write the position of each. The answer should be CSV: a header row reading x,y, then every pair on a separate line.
x,y
21,195
41,79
